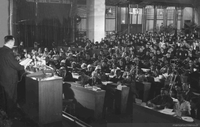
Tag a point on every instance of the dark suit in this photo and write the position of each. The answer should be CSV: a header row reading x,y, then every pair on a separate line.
x,y
189,95
9,68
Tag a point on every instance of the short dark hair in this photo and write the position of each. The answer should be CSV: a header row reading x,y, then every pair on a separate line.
x,y
8,38
165,89
181,93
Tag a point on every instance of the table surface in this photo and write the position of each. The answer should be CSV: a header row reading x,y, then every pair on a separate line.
x,y
150,115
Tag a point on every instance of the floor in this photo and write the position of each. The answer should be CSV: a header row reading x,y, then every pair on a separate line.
x,y
111,118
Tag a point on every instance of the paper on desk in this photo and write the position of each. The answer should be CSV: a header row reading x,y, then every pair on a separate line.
x,y
106,82
175,100
165,75
51,78
76,76
156,79
25,62
119,87
167,111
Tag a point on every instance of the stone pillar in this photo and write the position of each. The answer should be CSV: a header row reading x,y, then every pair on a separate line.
x,y
197,15
182,21
73,21
175,17
165,16
144,19
4,20
95,20
193,14
118,19
155,18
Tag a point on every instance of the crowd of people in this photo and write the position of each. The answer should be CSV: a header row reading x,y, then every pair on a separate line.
x,y
167,61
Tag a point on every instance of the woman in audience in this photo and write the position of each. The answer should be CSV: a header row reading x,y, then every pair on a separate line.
x,y
182,107
161,101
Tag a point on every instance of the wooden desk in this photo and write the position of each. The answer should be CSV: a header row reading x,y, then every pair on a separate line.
x,y
44,100
124,98
123,95
145,115
90,99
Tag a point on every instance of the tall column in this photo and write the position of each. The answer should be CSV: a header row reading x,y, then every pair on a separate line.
x,y
128,17
193,14
182,20
144,19
96,19
196,17
4,20
10,29
73,21
118,11
155,18
175,17
165,18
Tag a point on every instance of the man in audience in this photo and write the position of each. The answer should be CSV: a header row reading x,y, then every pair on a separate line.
x,y
182,107
188,93
161,101
96,75
84,79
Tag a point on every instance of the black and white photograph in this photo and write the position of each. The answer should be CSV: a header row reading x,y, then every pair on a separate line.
x,y
99,63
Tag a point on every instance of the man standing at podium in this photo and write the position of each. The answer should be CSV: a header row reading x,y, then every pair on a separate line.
x,y
9,68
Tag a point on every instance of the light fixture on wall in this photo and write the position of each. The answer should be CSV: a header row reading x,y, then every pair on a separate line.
x,y
160,13
136,11
109,11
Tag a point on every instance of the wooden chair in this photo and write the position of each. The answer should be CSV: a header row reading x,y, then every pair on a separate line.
x,y
69,102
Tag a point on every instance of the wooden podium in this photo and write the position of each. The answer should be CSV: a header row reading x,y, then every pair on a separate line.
x,y
44,99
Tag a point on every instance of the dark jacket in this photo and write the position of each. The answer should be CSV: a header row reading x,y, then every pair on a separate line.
x,y
9,68
163,101
189,95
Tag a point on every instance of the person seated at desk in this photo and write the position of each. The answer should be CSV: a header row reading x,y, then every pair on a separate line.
x,y
68,75
126,73
117,77
84,79
105,67
161,101
195,107
113,69
182,107
188,92
173,93
96,75
89,70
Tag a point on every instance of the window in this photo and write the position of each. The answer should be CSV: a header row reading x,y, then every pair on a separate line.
x,y
110,18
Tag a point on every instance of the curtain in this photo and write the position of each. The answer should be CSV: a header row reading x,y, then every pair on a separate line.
x,y
44,23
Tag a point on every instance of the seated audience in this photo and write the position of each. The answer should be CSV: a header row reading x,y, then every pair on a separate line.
x,y
84,79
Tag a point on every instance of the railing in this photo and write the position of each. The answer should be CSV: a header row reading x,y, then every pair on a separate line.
x,y
75,120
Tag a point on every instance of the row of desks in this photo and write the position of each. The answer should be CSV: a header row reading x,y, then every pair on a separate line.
x,y
94,99
145,115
